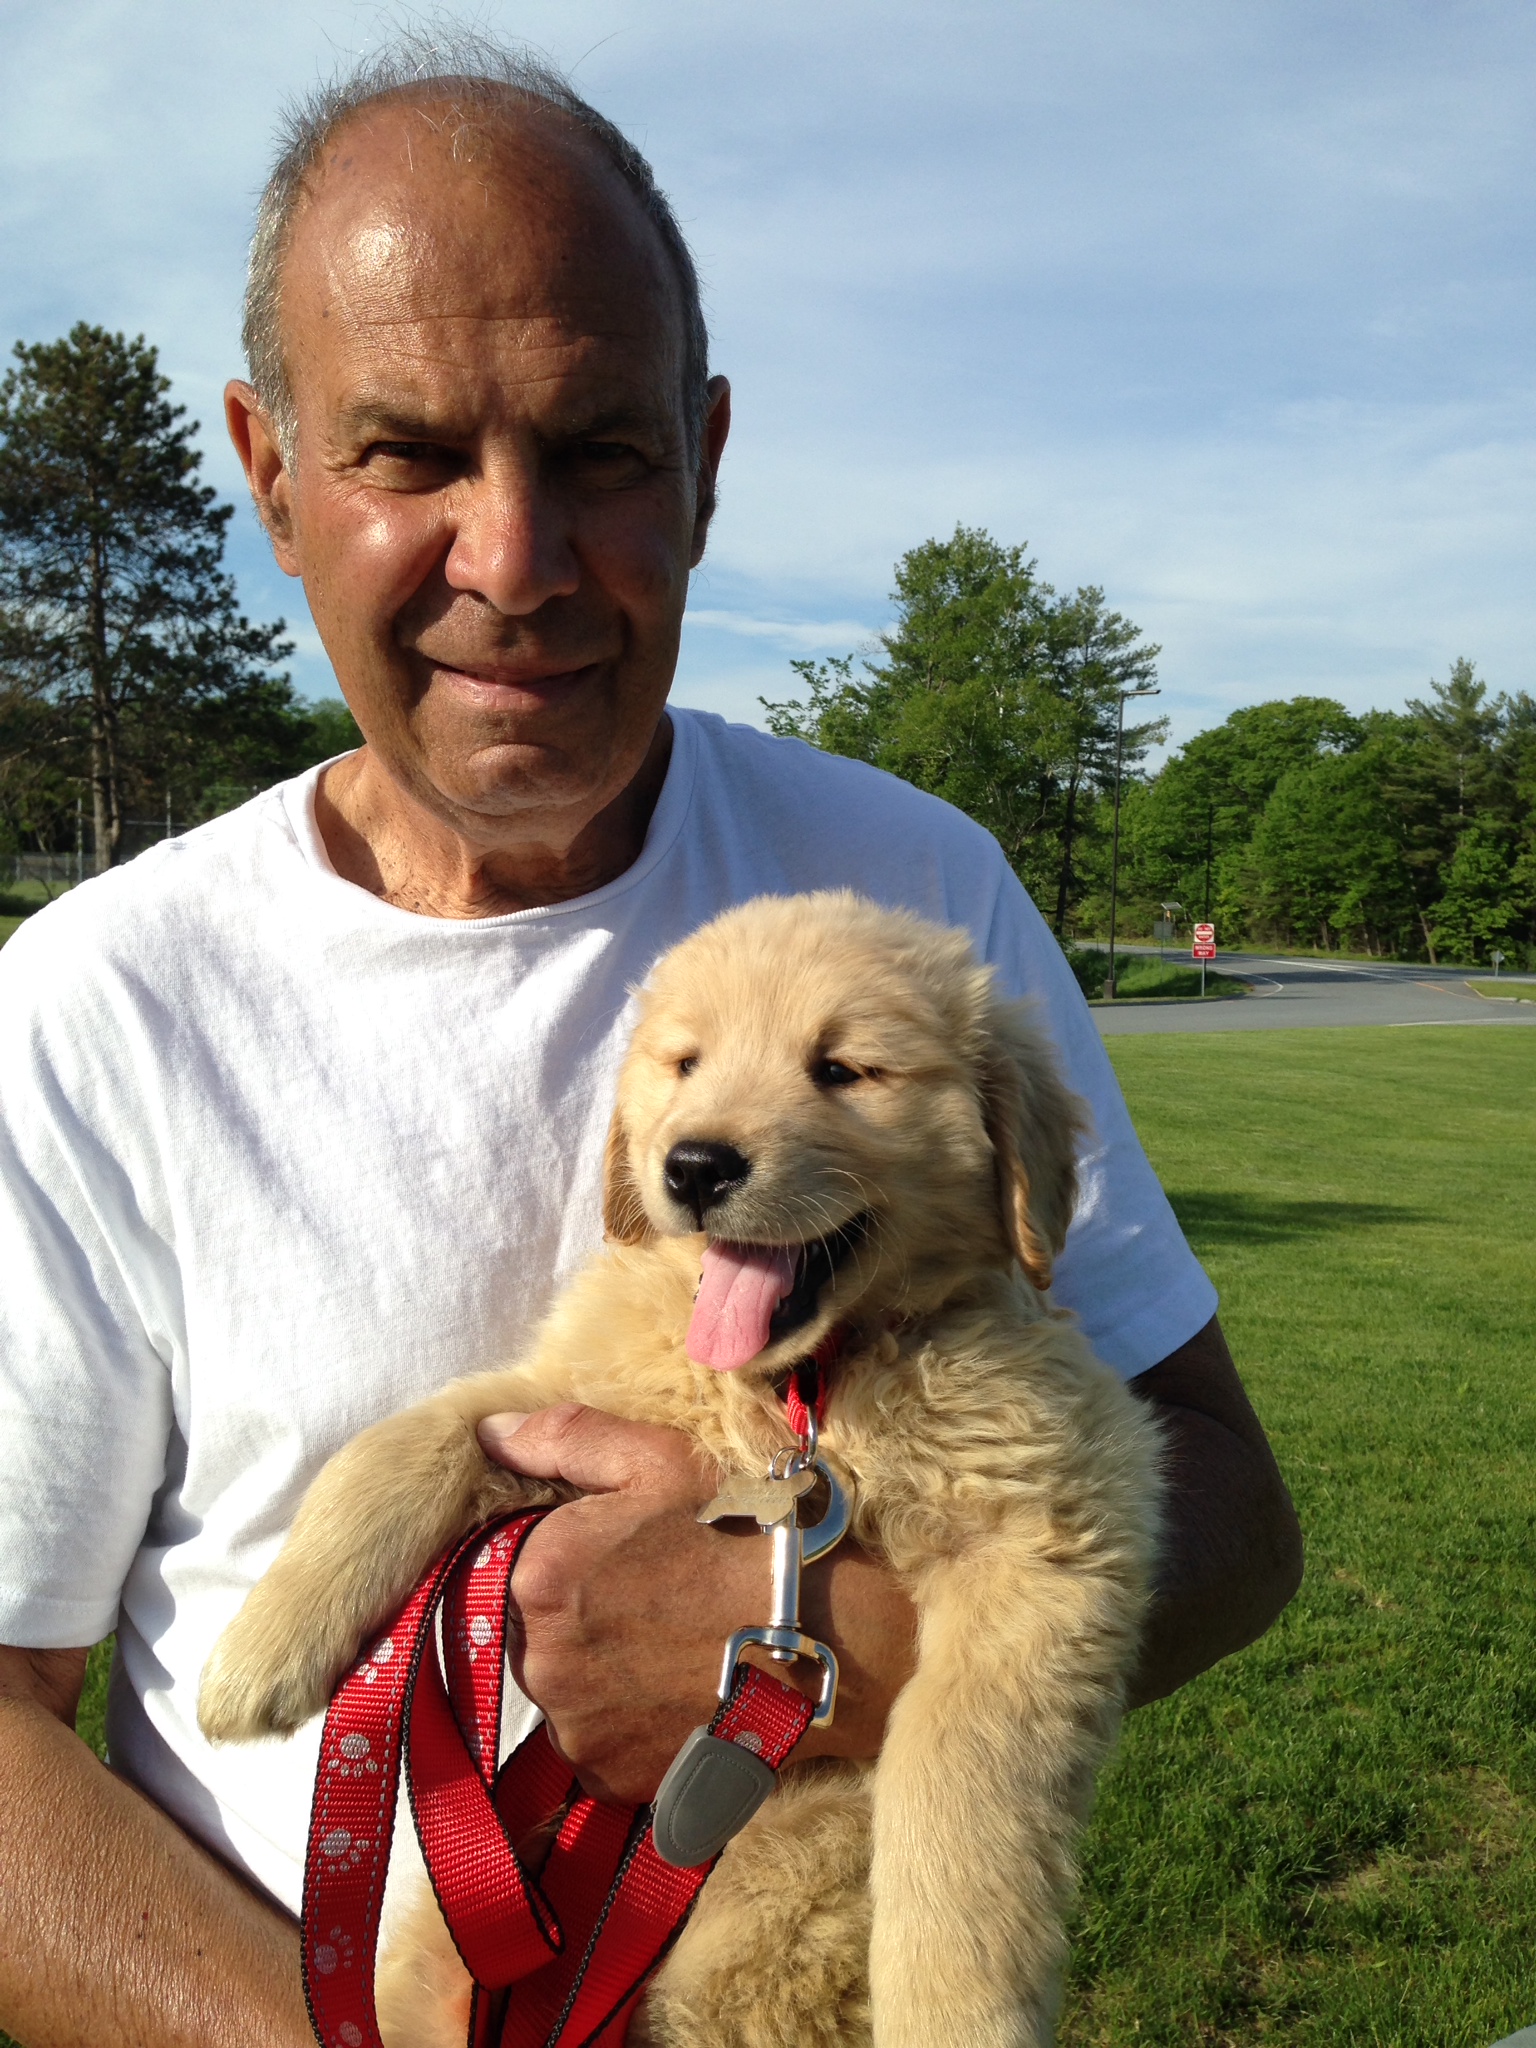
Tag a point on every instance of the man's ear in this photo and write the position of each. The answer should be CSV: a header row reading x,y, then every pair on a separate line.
x,y
624,1217
261,457
717,425
1034,1122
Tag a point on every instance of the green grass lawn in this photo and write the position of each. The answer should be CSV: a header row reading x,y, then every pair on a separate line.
x,y
91,1719
1515,991
1139,974
18,900
1331,1839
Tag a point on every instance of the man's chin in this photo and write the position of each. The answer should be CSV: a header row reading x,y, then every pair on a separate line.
x,y
502,775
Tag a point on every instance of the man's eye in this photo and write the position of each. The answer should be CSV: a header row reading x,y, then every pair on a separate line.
x,y
611,461
834,1074
415,455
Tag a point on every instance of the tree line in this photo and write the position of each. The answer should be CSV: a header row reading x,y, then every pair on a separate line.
x,y
1294,823
133,687
131,684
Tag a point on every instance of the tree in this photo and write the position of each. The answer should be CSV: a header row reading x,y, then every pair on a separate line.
x,y
124,659
1092,658
993,693
1326,865
1487,900
1186,834
1463,730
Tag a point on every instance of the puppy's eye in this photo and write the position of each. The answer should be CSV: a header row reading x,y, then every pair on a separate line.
x,y
834,1074
687,1066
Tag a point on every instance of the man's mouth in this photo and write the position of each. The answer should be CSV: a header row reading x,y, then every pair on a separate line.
x,y
754,1295
510,687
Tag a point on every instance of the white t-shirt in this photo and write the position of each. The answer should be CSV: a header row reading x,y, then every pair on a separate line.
x,y
277,1159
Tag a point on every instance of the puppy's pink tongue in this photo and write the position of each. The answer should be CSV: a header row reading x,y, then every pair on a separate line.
x,y
741,1287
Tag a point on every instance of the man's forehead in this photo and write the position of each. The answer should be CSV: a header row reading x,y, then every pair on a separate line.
x,y
400,194
409,245
388,270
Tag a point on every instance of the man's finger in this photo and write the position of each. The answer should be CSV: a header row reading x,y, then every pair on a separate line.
x,y
497,1431
595,1452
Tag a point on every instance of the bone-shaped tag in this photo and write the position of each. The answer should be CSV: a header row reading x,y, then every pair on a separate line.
x,y
766,1501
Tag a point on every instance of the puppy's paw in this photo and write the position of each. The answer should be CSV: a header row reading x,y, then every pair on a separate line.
x,y
264,1681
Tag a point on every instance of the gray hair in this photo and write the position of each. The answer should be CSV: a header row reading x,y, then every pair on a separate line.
x,y
481,76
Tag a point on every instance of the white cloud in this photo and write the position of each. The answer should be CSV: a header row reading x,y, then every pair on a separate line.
x,y
802,636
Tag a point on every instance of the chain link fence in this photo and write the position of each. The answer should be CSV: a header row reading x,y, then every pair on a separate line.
x,y
62,870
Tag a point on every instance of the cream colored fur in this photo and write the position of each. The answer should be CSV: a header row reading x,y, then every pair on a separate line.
x,y
1007,1477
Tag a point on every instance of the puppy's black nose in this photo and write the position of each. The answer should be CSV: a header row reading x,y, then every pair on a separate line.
x,y
699,1172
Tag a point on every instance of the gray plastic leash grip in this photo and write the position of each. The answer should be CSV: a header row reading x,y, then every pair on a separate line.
x,y
710,1792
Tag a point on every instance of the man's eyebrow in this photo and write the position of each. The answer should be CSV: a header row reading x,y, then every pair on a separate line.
x,y
391,420
377,418
627,419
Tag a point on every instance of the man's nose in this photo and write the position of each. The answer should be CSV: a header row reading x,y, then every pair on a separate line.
x,y
513,545
701,1172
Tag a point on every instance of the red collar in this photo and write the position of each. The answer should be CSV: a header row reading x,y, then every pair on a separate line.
x,y
810,1379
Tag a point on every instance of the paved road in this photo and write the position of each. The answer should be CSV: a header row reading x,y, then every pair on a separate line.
x,y
1319,992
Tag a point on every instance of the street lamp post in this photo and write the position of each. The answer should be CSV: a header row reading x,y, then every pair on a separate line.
x,y
1141,690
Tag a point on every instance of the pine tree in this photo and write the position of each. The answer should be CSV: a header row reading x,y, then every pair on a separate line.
x,y
993,693
124,659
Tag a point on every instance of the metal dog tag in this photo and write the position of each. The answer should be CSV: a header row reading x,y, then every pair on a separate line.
x,y
711,1791
764,1501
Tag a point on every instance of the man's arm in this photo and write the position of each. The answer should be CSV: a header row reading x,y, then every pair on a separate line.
x,y
625,1601
118,1930
1231,1556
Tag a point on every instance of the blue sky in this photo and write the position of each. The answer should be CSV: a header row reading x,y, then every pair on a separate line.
x,y
1226,307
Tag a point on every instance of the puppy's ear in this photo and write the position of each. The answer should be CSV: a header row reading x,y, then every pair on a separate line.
x,y
624,1217
1033,1121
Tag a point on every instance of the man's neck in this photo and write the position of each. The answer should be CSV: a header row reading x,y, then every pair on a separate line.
x,y
381,836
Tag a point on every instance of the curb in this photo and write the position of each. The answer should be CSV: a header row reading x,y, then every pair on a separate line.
x,y
1224,995
1484,997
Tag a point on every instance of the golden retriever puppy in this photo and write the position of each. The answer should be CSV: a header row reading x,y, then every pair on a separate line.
x,y
826,1117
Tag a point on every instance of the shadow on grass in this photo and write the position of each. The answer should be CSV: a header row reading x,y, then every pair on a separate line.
x,y
1232,1217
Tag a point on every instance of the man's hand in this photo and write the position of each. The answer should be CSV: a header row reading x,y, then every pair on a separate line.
x,y
625,1601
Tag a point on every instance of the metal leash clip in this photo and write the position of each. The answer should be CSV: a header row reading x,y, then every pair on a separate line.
x,y
715,1786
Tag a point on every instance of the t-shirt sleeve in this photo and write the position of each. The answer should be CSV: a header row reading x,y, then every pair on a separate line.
x,y
85,1404
1125,1271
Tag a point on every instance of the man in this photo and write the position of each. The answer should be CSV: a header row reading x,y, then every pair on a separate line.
x,y
304,1113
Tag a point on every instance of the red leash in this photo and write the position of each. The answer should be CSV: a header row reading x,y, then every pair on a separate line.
x,y
559,1961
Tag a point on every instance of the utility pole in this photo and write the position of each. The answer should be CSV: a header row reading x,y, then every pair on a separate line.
x,y
1141,690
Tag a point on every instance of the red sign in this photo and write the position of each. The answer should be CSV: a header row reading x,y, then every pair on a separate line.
x,y
1204,935
1199,952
